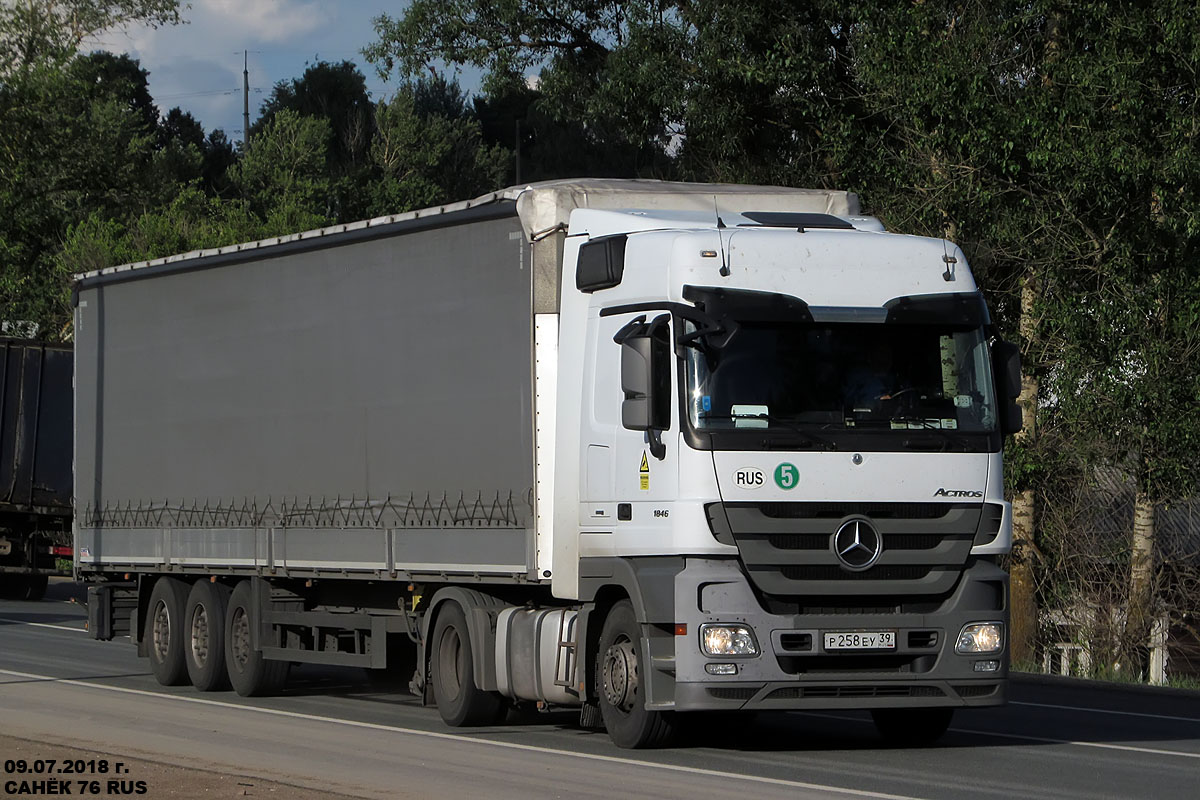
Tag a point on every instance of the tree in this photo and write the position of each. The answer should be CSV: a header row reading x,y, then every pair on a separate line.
x,y
333,92
337,94
737,91
71,141
428,149
283,175
38,31
62,155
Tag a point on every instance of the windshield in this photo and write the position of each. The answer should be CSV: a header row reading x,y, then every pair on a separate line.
x,y
814,376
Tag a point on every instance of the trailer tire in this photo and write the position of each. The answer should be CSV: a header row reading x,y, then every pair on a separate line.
x,y
164,631
459,700
204,636
35,587
912,727
250,674
620,687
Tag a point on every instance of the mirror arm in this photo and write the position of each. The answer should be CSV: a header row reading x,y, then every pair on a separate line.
x,y
657,448
707,325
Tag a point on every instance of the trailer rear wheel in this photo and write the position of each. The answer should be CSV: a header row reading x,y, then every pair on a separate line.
x,y
204,651
250,674
459,700
164,631
35,587
915,727
620,685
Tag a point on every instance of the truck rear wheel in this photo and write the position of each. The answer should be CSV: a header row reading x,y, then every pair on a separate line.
x,y
620,685
250,674
459,700
912,727
164,631
204,650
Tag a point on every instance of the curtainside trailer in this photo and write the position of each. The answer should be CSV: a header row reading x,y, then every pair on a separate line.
x,y
646,449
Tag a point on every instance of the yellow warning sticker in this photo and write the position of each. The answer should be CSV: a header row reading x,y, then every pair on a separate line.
x,y
644,473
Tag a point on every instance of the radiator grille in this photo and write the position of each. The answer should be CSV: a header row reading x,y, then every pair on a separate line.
x,y
788,553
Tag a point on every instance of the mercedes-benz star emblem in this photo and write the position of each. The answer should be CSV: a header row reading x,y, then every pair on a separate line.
x,y
857,544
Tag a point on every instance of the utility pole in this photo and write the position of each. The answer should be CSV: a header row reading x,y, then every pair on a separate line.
x,y
246,96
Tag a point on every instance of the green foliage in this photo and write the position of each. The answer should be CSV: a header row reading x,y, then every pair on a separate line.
x,y
282,172
428,149
37,32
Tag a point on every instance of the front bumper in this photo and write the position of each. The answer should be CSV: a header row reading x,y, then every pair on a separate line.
x,y
793,670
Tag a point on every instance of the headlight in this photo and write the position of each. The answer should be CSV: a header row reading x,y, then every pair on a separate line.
x,y
980,637
728,640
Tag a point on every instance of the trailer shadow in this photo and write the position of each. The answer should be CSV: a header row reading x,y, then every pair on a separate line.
x,y
793,731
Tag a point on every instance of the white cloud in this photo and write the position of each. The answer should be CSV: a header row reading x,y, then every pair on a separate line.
x,y
266,20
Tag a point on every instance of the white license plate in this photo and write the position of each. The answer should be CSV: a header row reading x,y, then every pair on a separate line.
x,y
860,640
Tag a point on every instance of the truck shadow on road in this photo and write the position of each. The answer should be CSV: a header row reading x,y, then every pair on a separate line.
x,y
789,731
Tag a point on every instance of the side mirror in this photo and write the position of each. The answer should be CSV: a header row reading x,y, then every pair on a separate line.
x,y
646,378
1006,361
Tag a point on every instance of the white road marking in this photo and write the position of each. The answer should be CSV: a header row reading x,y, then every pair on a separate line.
x,y
1026,737
11,621
1102,745
1106,711
465,739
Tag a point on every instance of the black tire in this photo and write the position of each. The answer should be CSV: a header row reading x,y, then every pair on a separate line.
x,y
163,633
459,700
618,685
912,727
204,636
35,587
250,674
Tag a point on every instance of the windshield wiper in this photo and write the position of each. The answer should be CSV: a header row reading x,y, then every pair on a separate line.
x,y
808,439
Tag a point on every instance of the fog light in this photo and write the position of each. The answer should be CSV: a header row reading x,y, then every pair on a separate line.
x,y
721,669
980,637
728,640
987,666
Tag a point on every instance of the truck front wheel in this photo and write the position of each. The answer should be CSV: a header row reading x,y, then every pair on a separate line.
x,y
620,684
164,633
250,673
459,700
205,646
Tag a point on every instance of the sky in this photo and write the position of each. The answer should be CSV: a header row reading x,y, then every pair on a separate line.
x,y
198,66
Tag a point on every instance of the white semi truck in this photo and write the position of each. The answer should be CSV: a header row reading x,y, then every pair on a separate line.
x,y
648,449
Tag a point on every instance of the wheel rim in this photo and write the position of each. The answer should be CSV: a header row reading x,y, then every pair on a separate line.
x,y
240,638
620,674
450,661
161,631
200,636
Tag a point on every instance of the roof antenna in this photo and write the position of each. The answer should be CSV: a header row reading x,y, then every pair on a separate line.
x,y
720,227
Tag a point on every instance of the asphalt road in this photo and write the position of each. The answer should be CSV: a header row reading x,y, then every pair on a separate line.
x,y
334,730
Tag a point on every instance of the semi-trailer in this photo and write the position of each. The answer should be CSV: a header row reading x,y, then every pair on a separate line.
x,y
647,449
35,465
